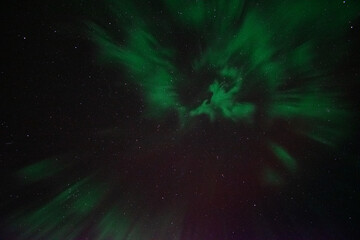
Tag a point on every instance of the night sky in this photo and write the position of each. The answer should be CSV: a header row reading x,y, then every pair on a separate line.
x,y
180,120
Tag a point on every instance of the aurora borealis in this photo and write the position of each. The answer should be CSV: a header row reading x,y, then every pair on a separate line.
x,y
181,120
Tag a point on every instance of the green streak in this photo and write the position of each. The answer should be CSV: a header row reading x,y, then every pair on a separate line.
x,y
147,64
65,215
196,13
40,170
192,13
164,224
328,117
114,225
271,177
119,224
286,159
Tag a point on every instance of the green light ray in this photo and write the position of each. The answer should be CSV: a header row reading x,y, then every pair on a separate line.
x,y
271,177
40,170
114,225
286,159
64,215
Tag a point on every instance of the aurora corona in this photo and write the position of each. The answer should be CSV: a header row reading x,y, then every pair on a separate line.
x,y
219,104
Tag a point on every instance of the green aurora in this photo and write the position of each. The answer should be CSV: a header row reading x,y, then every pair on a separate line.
x,y
276,52
269,58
